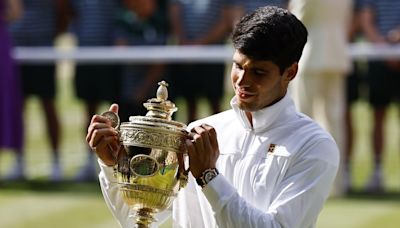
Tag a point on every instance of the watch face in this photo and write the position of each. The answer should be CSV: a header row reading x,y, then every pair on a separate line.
x,y
209,176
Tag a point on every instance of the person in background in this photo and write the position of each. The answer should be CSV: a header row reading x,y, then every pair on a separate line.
x,y
140,22
199,23
354,83
93,23
319,91
379,21
267,165
242,7
11,133
38,26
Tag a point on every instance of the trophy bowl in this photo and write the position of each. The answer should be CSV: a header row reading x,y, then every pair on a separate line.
x,y
150,166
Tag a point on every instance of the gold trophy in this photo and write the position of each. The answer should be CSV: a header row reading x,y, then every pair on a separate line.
x,y
150,168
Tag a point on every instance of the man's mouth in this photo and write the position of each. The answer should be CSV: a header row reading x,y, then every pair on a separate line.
x,y
244,94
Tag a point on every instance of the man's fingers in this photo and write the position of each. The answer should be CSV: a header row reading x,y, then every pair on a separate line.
x,y
204,135
106,145
105,152
99,134
212,135
99,119
107,141
94,128
103,138
190,147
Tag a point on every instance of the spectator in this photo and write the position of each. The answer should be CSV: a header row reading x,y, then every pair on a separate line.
x,y
141,22
319,90
11,134
199,23
354,84
93,24
242,7
37,27
380,19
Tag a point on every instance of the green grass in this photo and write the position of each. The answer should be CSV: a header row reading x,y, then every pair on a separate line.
x,y
38,203
361,211
362,162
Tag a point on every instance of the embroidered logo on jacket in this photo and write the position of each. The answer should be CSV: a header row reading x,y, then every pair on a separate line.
x,y
271,148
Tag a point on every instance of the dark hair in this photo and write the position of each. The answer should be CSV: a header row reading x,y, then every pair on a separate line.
x,y
270,33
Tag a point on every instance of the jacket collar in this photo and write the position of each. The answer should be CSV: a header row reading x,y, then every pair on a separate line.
x,y
271,116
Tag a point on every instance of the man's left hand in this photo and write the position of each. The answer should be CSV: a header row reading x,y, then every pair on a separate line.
x,y
203,150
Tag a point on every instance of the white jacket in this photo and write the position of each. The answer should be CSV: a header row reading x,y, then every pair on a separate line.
x,y
258,186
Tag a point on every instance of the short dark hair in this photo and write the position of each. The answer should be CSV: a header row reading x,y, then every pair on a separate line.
x,y
270,33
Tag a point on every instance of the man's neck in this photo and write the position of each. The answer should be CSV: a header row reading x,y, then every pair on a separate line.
x,y
249,117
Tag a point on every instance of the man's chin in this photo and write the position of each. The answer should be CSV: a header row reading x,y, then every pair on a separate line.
x,y
245,106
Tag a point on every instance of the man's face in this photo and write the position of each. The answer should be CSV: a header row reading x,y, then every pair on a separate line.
x,y
258,83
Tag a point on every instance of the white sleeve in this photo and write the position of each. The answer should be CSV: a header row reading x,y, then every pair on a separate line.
x,y
297,199
112,196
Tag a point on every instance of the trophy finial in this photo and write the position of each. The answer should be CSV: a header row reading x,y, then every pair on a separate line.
x,y
162,91
160,107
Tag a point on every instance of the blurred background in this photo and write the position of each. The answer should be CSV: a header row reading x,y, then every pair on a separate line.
x,y
63,61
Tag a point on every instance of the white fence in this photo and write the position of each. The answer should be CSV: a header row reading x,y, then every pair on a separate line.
x,y
169,54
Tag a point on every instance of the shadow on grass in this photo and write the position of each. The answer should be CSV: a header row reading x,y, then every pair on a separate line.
x,y
379,196
66,186
69,186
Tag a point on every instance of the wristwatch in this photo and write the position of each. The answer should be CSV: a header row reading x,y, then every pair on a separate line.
x,y
207,176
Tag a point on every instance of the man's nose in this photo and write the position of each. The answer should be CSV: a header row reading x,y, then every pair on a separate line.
x,y
242,79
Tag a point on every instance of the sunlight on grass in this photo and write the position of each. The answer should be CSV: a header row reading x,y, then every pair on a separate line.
x,y
362,161
53,209
360,213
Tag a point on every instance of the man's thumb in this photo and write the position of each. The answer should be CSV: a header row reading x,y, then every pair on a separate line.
x,y
114,108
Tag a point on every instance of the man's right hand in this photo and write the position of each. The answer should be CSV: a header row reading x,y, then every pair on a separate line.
x,y
103,138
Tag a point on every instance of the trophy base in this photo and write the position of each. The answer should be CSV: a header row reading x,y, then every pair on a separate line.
x,y
144,217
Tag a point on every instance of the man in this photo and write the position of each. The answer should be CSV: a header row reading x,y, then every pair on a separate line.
x,y
355,81
92,23
11,120
139,22
380,21
196,22
242,7
319,90
272,166
39,25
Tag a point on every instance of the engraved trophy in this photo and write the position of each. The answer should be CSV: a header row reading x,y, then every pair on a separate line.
x,y
150,169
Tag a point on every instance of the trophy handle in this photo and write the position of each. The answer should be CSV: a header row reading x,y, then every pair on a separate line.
x,y
183,175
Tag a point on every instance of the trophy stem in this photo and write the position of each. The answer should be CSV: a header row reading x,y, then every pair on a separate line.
x,y
144,217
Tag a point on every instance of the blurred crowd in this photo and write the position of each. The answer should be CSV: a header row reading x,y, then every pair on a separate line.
x,y
327,84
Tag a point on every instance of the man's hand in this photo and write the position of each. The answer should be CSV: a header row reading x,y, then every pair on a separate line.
x,y
202,148
103,138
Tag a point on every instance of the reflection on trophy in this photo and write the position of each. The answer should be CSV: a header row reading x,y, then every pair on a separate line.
x,y
150,169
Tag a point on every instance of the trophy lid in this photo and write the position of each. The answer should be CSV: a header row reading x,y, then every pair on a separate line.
x,y
156,129
160,107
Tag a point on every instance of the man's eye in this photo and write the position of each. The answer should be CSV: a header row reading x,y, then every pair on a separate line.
x,y
258,72
237,66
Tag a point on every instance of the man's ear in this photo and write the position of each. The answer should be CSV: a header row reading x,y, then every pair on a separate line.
x,y
290,72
